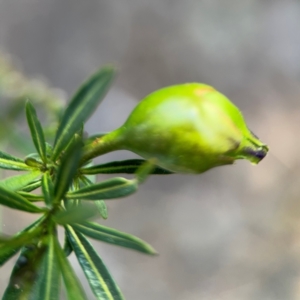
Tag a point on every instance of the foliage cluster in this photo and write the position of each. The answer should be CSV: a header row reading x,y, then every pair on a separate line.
x,y
57,186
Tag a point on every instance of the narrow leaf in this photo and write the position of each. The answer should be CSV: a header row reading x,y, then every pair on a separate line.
x,y
100,280
73,286
18,182
36,130
113,236
118,167
102,208
81,106
109,189
10,162
67,170
47,188
14,200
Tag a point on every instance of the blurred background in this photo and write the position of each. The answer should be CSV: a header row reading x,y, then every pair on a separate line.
x,y
232,233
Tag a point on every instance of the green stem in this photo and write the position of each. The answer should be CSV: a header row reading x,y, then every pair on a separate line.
x,y
101,145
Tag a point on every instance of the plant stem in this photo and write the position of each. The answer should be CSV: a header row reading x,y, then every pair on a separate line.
x,y
101,145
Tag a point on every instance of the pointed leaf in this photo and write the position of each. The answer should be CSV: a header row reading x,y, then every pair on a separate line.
x,y
67,170
14,200
102,208
36,130
113,236
126,166
81,107
10,162
47,188
100,280
18,182
72,283
109,189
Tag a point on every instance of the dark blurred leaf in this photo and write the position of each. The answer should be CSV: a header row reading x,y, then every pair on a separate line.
x,y
100,280
47,284
10,162
102,208
67,246
81,107
76,214
109,189
67,170
126,166
36,130
25,273
113,236
13,249
47,188
14,200
73,286
18,182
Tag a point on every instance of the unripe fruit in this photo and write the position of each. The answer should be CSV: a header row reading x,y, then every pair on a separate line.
x,y
187,128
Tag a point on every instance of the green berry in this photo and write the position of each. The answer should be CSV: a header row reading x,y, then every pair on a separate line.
x,y
187,128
